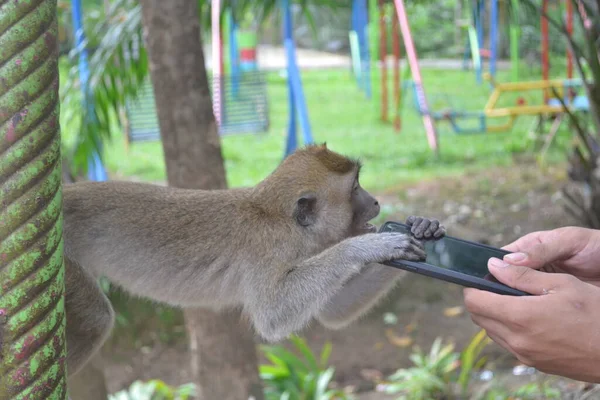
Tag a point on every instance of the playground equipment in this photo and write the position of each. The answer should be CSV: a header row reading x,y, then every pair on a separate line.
x,y
555,93
239,89
240,102
32,294
379,14
296,98
400,27
359,46
474,48
415,70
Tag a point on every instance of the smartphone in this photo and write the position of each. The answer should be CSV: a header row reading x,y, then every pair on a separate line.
x,y
455,260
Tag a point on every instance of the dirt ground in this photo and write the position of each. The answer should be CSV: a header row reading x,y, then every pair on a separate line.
x,y
496,206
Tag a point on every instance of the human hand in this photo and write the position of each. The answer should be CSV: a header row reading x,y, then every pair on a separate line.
x,y
571,250
556,330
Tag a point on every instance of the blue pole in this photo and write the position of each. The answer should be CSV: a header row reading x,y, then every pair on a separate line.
x,y
367,48
493,36
296,95
479,11
363,40
233,54
96,171
354,28
292,139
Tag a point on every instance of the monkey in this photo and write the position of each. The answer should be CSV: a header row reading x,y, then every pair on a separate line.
x,y
298,245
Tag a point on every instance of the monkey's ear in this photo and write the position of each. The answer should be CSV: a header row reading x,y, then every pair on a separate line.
x,y
306,209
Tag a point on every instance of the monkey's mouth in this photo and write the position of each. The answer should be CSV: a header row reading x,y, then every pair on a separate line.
x,y
368,228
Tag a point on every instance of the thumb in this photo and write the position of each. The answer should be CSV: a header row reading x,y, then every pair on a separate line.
x,y
523,278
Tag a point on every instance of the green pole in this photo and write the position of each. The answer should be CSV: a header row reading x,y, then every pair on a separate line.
x,y
514,41
374,29
32,302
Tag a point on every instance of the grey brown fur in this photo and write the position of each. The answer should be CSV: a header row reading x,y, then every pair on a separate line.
x,y
295,247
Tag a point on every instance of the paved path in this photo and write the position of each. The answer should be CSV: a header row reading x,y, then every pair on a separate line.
x,y
273,58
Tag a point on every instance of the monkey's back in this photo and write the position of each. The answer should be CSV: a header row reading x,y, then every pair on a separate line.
x,y
131,231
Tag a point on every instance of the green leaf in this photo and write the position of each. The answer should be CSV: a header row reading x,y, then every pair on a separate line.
x,y
306,352
323,382
325,353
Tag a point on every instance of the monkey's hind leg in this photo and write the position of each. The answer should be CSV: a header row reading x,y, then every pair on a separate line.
x,y
90,316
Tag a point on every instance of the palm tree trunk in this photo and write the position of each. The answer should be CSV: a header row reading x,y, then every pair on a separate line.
x,y
224,359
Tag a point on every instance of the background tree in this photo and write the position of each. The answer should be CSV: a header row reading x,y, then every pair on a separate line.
x,y
582,194
224,361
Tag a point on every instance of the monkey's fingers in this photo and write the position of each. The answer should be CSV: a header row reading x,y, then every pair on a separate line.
x,y
420,227
417,242
413,251
435,231
440,232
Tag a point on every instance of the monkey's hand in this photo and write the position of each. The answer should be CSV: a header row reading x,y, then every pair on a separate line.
x,y
424,228
381,247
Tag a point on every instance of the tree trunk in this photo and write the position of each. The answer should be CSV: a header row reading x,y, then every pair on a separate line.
x,y
89,383
224,360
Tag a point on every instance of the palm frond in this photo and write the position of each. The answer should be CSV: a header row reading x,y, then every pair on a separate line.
x,y
117,68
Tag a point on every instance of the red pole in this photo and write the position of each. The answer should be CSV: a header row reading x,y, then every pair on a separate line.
x,y
383,56
570,31
396,45
545,46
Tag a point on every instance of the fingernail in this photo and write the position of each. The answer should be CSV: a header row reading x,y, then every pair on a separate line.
x,y
515,257
497,263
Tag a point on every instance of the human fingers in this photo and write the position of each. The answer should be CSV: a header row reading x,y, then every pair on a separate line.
x,y
481,303
543,248
526,279
525,242
504,338
493,329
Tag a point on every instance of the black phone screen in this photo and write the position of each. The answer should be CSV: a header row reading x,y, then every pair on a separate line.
x,y
458,255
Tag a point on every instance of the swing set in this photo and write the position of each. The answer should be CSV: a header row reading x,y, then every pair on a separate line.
x,y
551,106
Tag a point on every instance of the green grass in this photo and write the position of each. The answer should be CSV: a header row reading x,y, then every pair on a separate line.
x,y
341,116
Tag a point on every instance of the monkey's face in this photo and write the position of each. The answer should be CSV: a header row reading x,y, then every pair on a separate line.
x,y
364,208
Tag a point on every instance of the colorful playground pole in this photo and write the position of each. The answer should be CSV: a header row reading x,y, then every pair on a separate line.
x,y
359,45
411,55
365,47
32,294
217,64
232,64
383,60
570,32
545,46
296,94
493,36
396,50
96,170
479,18
514,41
247,45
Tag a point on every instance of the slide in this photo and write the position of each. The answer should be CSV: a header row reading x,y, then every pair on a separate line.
x,y
411,54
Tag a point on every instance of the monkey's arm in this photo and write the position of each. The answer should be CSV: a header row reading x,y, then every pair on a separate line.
x,y
287,303
361,293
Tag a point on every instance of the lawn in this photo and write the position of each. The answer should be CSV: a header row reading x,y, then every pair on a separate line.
x,y
341,116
